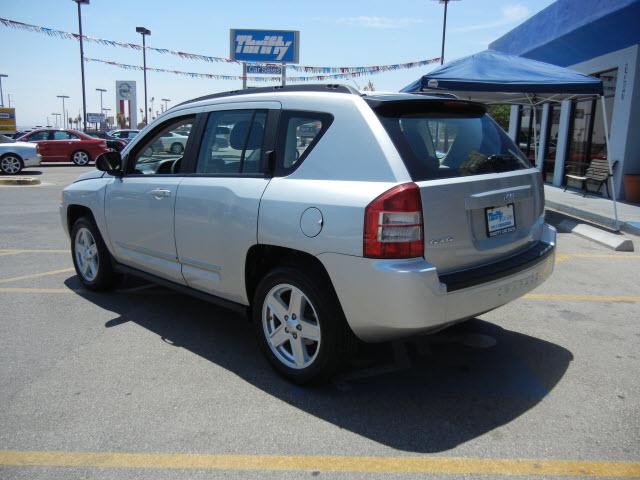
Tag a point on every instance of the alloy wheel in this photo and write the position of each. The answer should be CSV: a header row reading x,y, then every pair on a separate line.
x,y
80,158
86,253
10,165
291,326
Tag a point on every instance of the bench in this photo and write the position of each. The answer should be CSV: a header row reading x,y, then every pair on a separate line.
x,y
597,172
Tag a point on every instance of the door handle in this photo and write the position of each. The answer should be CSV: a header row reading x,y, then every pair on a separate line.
x,y
160,193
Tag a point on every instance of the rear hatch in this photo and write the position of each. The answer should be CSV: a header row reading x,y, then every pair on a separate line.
x,y
482,201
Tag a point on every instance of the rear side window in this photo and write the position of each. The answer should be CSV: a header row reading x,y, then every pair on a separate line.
x,y
232,143
436,145
299,134
38,136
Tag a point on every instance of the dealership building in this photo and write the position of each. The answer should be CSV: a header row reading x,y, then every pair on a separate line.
x,y
599,38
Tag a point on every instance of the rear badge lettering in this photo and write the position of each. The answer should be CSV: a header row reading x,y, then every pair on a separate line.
x,y
436,242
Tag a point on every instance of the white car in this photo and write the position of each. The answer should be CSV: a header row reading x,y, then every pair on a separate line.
x,y
14,156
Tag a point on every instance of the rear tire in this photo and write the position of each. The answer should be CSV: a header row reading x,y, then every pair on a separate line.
x,y
11,164
80,158
300,326
91,258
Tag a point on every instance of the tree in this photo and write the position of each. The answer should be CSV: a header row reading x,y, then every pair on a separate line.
x,y
501,114
369,87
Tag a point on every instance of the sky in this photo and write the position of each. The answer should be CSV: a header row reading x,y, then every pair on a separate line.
x,y
332,33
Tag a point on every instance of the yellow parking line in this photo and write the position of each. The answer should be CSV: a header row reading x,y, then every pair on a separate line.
x,y
36,290
423,465
562,257
36,275
10,251
582,298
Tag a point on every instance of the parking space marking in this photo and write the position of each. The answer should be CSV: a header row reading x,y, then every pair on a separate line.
x,y
36,290
562,257
36,275
423,465
14,251
582,298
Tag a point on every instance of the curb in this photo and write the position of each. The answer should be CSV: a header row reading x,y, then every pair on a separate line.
x,y
19,181
613,241
606,222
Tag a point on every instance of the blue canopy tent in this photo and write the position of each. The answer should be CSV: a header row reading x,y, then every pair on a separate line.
x,y
493,77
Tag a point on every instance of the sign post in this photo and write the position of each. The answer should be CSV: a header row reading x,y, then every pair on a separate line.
x,y
264,47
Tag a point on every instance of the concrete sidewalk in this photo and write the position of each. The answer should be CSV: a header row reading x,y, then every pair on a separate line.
x,y
593,208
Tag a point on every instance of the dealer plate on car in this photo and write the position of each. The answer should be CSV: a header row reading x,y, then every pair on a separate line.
x,y
500,220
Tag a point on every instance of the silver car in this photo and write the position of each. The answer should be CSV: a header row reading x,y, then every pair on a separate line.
x,y
15,156
330,216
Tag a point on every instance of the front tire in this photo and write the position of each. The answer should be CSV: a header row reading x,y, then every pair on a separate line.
x,y
11,164
300,326
80,158
91,258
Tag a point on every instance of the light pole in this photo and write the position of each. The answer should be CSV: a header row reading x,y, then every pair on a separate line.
x,y
101,90
2,75
144,32
444,27
165,100
56,116
84,97
105,111
64,112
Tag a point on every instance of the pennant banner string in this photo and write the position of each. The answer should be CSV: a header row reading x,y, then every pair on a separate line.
x,y
215,76
212,59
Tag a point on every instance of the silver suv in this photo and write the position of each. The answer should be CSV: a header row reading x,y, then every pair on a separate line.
x,y
329,216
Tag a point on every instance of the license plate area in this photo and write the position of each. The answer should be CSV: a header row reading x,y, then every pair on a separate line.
x,y
500,220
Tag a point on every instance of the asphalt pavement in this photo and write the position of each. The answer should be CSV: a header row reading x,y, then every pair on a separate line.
x,y
143,382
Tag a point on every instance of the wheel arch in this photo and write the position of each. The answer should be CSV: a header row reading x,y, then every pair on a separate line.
x,y
262,258
15,154
75,211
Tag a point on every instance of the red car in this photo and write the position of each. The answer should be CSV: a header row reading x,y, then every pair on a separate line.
x,y
57,145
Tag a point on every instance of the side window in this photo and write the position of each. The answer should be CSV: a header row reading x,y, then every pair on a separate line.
x,y
61,135
73,136
232,142
162,150
299,133
39,136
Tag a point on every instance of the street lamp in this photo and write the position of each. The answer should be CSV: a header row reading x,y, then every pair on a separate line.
x,y
165,100
64,112
84,97
144,32
2,75
444,27
101,90
56,115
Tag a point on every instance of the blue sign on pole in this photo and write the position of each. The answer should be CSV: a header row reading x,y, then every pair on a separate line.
x,y
264,69
265,46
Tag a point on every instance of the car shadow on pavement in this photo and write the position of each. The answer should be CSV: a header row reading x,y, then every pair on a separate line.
x,y
425,395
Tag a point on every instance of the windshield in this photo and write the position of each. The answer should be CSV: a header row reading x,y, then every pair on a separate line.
x,y
440,146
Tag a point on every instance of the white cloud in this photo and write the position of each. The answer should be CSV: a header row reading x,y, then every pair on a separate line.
x,y
510,14
378,22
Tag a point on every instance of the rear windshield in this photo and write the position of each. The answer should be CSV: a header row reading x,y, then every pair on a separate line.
x,y
437,145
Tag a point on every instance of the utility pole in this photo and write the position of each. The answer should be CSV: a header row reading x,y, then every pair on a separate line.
x,y
165,100
64,112
57,117
84,96
101,90
144,32
444,27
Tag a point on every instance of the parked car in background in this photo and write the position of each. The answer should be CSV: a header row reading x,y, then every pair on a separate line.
x,y
58,145
330,216
123,134
14,156
113,143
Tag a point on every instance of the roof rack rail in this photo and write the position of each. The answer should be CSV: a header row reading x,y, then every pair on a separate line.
x,y
431,93
325,87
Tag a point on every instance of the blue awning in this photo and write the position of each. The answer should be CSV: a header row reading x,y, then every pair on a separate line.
x,y
496,76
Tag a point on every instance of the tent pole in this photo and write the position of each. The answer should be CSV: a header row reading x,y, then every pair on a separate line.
x,y
612,183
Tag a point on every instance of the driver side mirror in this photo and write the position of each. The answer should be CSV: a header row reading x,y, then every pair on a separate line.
x,y
110,162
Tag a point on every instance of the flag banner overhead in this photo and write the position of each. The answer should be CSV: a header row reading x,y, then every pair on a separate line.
x,y
209,58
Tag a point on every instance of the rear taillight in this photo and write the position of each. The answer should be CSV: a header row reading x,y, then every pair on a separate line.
x,y
393,224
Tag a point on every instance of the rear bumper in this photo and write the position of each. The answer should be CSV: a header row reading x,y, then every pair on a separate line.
x,y
386,299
